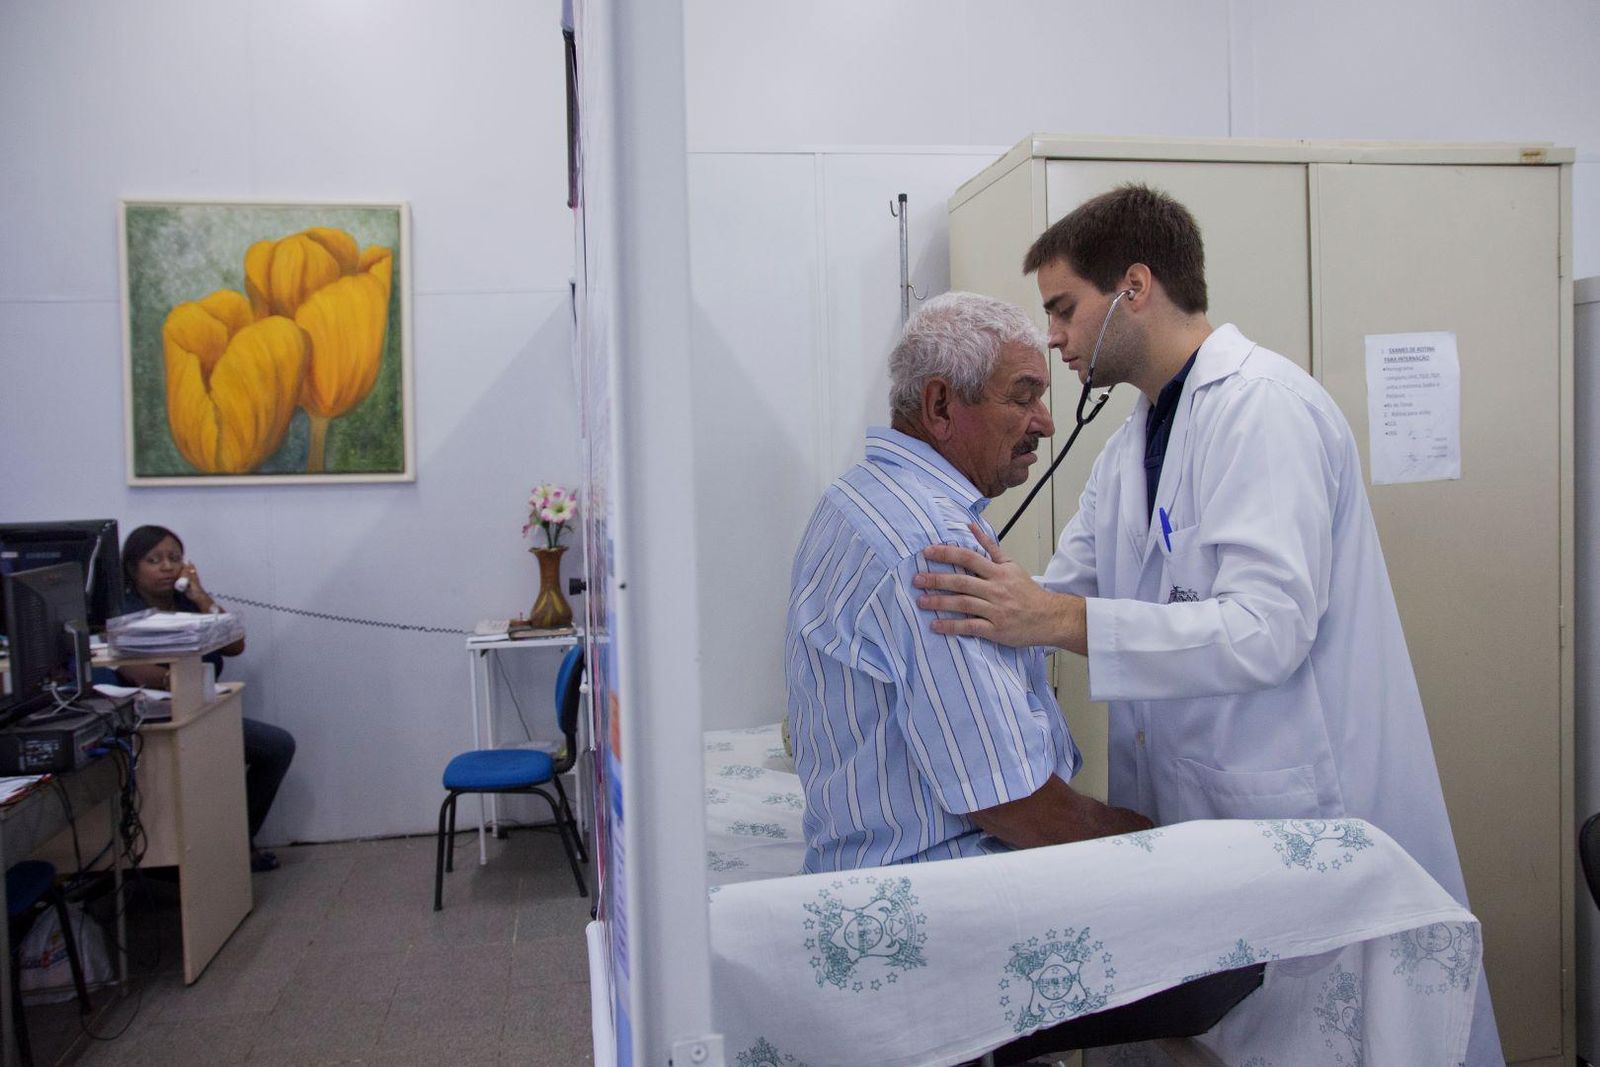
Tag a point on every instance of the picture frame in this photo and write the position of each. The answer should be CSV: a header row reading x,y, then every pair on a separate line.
x,y
266,342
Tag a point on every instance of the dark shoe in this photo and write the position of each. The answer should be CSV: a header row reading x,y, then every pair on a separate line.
x,y
262,860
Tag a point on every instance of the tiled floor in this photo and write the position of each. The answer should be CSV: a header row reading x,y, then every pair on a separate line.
x,y
343,960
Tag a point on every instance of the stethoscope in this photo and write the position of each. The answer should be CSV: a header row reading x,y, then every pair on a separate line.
x,y
1082,419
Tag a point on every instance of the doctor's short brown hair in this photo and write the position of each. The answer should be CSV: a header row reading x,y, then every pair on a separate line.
x,y
1101,238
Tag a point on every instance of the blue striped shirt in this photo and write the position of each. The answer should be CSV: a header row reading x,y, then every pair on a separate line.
x,y
899,732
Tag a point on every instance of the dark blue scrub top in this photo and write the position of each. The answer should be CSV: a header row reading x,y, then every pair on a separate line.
x,y
1158,429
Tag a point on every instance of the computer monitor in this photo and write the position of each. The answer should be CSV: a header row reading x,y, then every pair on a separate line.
x,y
90,543
49,638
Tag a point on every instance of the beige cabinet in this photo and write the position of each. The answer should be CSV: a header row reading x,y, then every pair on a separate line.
x,y
1309,248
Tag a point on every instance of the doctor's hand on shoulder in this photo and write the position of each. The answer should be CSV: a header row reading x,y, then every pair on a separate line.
x,y
1000,600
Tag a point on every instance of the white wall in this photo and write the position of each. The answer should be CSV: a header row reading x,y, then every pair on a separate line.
x,y
464,117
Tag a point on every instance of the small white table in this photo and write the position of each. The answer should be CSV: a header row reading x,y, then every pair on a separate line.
x,y
479,652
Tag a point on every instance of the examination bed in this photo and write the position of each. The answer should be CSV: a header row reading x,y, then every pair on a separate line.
x,y
1367,959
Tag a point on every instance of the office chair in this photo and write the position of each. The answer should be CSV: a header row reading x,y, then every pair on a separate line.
x,y
519,770
1589,855
28,885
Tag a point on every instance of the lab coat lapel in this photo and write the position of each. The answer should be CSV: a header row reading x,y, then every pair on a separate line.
x,y
1135,523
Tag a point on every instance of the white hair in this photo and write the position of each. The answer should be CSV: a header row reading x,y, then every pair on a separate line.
x,y
957,337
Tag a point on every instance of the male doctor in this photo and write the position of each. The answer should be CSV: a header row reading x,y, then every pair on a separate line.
x,y
1222,574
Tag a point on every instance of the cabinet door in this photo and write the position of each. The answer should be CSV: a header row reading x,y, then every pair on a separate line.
x,y
1475,563
1252,217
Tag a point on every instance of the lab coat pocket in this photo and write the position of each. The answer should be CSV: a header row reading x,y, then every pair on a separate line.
x,y
1204,792
1189,567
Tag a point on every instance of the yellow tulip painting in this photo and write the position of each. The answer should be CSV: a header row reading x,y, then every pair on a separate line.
x,y
266,341
340,298
232,381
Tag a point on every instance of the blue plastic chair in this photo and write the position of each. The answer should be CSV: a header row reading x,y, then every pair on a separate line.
x,y
28,884
519,770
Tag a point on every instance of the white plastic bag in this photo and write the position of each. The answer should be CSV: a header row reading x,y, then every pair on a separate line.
x,y
46,971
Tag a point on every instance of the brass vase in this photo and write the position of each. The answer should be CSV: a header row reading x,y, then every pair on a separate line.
x,y
550,609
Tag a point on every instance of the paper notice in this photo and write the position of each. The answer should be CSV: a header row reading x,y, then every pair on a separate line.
x,y
1414,407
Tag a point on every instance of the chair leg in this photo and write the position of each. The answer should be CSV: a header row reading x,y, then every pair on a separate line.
x,y
20,1018
450,856
441,856
566,843
60,900
577,834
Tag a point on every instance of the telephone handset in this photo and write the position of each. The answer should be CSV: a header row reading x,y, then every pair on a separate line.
x,y
182,584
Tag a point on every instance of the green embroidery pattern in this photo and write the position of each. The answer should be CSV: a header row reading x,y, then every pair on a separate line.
x,y
1437,958
1316,844
1145,839
1242,955
1057,978
792,801
719,746
718,862
742,770
762,1054
759,829
715,795
864,945
1340,1017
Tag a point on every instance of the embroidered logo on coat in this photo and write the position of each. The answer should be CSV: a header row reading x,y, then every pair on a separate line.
x,y
1180,595
866,945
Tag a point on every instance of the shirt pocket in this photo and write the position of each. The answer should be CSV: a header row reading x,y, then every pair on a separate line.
x,y
1189,568
1204,792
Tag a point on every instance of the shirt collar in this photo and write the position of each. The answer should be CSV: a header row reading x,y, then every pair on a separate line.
x,y
885,445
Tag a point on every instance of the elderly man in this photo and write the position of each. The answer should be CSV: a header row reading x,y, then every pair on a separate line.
x,y
914,745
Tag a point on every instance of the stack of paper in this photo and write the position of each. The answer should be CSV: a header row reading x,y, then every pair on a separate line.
x,y
168,633
14,789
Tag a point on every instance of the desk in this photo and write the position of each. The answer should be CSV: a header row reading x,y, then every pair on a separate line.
x,y
191,785
31,821
479,652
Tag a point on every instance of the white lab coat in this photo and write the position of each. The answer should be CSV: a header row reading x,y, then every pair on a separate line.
x,y
1256,668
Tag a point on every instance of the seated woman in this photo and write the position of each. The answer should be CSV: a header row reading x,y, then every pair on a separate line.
x,y
152,566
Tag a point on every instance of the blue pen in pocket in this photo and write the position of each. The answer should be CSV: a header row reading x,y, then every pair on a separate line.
x,y
1166,527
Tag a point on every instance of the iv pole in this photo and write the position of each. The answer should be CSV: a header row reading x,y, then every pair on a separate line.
x,y
897,208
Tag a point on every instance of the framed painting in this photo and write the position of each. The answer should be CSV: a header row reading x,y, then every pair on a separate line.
x,y
266,342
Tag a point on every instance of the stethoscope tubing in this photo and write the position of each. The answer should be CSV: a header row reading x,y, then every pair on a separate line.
x,y
1078,416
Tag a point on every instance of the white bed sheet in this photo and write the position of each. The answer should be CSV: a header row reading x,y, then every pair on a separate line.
x,y
1369,960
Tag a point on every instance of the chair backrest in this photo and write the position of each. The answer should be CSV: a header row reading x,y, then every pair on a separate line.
x,y
1589,855
569,698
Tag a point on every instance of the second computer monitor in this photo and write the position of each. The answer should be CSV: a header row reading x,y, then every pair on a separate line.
x,y
91,543
49,636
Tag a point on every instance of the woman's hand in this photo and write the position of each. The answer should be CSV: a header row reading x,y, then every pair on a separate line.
x,y
195,592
